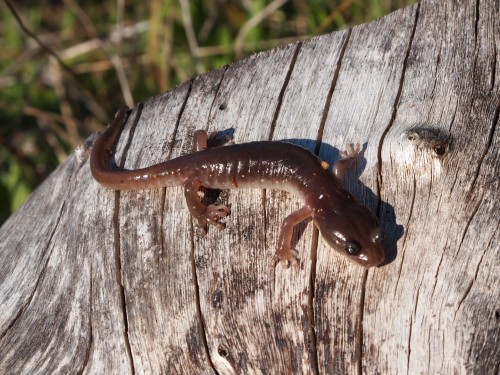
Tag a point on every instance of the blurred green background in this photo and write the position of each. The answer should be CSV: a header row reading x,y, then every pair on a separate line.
x,y
123,52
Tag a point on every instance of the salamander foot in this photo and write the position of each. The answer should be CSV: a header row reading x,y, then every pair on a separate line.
x,y
287,257
212,216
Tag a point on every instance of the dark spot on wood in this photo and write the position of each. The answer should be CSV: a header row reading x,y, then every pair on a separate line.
x,y
281,343
223,352
432,140
194,345
200,262
497,315
223,106
387,45
440,149
217,299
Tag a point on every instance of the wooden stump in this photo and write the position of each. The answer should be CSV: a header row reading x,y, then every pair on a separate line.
x,y
97,281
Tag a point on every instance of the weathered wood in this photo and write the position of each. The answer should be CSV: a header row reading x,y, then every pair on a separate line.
x,y
443,289
97,281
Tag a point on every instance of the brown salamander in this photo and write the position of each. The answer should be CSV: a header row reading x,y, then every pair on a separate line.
x,y
348,227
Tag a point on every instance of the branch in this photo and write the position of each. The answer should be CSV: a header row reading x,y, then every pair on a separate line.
x,y
93,105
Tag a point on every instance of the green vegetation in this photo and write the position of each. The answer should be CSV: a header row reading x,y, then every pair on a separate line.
x,y
124,52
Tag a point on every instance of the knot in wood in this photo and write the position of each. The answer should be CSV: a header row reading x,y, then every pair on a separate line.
x,y
430,140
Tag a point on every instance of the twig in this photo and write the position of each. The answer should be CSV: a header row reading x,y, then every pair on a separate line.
x,y
209,21
192,42
39,42
26,54
106,48
20,156
116,57
254,21
93,44
103,65
165,63
343,7
93,104
64,106
52,119
160,42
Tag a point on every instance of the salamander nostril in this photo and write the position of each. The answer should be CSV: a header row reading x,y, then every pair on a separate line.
x,y
377,235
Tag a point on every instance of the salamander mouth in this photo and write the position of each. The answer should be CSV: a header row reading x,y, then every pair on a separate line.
x,y
377,260
368,261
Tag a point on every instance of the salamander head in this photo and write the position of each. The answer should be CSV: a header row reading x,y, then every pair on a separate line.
x,y
353,231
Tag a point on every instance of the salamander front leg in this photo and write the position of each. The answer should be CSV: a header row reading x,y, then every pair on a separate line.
x,y
348,158
202,213
285,254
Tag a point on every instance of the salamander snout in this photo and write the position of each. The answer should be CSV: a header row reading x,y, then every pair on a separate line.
x,y
354,231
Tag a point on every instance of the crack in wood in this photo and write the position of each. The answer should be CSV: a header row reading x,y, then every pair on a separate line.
x,y
437,66
214,100
271,135
359,333
469,220
409,343
130,137
452,122
380,181
438,269
405,236
118,277
178,121
476,22
117,247
411,326
469,287
199,315
328,102
90,324
486,149
163,200
283,89
493,68
310,301
429,353
315,235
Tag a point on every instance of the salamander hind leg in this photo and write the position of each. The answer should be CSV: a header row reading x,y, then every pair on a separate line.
x,y
284,253
203,214
200,140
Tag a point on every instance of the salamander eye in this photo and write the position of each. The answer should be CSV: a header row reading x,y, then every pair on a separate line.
x,y
352,248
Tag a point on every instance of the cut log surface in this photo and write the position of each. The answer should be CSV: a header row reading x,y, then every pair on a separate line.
x,y
95,281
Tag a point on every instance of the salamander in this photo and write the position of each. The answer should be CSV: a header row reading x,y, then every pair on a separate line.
x,y
350,228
